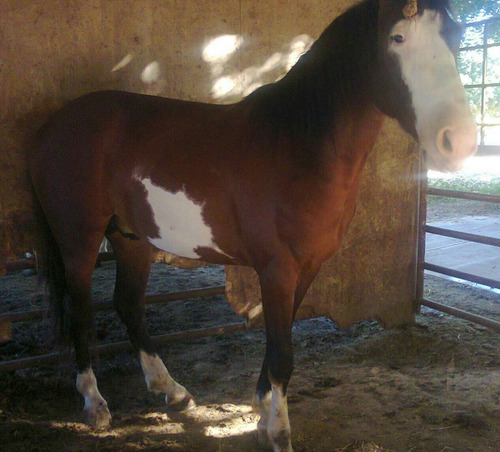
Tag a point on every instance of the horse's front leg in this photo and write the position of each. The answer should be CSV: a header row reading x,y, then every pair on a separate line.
x,y
278,283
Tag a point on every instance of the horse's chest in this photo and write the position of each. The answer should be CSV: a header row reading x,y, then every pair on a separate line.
x,y
180,223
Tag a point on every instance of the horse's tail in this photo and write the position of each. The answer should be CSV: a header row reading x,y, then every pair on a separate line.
x,y
50,267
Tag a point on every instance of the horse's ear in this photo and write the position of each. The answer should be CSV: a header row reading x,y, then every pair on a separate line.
x,y
394,8
410,10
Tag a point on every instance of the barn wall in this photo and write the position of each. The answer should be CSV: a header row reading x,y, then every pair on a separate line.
x,y
55,50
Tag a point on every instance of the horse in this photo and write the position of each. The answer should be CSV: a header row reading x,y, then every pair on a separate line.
x,y
268,182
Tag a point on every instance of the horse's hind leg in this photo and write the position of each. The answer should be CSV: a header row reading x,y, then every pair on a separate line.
x,y
79,263
133,266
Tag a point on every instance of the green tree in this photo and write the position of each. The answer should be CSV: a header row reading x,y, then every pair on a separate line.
x,y
471,10
475,60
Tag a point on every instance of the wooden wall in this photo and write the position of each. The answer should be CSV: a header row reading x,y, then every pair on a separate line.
x,y
55,50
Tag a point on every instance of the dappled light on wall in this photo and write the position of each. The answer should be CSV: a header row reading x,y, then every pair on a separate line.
x,y
151,73
298,47
230,85
219,50
123,62
151,77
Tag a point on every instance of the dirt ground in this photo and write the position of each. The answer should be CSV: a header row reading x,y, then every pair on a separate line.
x,y
433,386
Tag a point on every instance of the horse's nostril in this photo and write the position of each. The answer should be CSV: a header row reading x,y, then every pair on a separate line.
x,y
447,146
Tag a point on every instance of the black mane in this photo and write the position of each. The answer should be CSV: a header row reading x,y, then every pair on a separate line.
x,y
333,74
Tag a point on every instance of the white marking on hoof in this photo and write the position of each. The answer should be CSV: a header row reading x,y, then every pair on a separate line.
x,y
96,408
180,222
159,381
278,427
262,406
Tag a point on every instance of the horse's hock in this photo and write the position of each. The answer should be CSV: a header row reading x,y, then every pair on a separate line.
x,y
53,53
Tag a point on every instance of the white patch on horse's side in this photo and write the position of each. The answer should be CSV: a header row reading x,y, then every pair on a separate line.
x,y
180,222
159,380
278,428
429,70
96,408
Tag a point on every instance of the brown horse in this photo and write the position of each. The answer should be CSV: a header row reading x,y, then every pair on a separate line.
x,y
269,182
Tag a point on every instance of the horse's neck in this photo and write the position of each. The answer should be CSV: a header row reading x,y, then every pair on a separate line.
x,y
349,142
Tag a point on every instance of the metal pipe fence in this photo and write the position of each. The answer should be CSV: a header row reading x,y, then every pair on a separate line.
x,y
425,229
109,348
106,349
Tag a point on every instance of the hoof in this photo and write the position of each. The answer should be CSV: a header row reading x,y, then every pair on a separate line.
x,y
99,417
263,439
182,404
281,442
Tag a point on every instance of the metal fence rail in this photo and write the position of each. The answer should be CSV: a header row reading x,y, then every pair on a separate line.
x,y
476,238
38,314
463,235
472,196
104,349
461,314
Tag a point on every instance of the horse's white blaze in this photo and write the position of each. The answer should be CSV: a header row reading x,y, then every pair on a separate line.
x,y
159,380
429,70
180,221
95,405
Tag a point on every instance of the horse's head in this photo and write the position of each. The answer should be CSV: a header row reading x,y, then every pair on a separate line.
x,y
418,82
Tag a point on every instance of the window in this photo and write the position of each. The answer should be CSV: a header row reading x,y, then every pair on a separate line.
x,y
479,67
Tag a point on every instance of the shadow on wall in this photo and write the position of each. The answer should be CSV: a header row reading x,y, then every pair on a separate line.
x,y
229,85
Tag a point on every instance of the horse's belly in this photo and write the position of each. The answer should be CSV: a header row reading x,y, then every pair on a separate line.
x,y
181,227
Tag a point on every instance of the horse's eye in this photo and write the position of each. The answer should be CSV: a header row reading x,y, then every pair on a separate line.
x,y
399,39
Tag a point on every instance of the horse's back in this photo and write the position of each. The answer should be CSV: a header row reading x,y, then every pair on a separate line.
x,y
113,153
101,132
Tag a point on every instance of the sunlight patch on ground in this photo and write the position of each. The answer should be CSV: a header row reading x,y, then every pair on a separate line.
x,y
235,428
225,420
238,425
217,421
154,423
